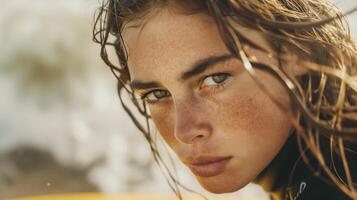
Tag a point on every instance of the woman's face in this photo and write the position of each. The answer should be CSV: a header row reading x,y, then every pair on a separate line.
x,y
204,104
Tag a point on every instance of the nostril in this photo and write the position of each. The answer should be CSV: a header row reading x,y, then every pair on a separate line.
x,y
198,137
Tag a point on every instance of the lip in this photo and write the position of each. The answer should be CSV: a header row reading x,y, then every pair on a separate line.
x,y
208,166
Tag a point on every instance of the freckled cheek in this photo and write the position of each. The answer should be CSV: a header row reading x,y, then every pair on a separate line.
x,y
164,122
252,116
239,113
244,108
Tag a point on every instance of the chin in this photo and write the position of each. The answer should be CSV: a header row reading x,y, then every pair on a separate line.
x,y
219,185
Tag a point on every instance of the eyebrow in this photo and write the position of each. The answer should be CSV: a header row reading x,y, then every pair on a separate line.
x,y
138,85
203,65
198,68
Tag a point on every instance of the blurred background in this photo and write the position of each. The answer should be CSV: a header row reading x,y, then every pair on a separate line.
x,y
62,129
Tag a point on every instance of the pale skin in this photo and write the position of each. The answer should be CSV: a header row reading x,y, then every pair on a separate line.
x,y
218,112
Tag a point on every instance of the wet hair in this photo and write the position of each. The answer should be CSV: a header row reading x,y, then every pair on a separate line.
x,y
325,98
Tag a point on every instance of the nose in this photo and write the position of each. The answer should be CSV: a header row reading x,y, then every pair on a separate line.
x,y
191,122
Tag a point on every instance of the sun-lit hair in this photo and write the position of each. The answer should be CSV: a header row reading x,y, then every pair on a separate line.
x,y
325,98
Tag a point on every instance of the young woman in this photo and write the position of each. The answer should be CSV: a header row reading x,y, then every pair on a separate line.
x,y
242,91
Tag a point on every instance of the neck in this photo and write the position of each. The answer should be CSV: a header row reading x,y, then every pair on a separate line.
x,y
275,177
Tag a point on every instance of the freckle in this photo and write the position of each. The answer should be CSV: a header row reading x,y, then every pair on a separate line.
x,y
252,114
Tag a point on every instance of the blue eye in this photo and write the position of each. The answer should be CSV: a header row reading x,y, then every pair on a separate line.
x,y
215,79
155,96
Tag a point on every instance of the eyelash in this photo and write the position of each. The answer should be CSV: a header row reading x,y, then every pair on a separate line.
x,y
144,97
218,85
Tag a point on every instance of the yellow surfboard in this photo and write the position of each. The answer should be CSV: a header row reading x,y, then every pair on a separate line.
x,y
98,196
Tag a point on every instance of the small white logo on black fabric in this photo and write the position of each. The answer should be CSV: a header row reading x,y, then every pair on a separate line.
x,y
301,190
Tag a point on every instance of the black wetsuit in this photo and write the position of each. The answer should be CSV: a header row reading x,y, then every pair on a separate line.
x,y
294,180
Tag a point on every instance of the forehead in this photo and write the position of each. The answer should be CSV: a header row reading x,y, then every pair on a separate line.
x,y
171,41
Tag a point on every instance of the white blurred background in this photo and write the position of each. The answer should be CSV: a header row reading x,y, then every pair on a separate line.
x,y
59,112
